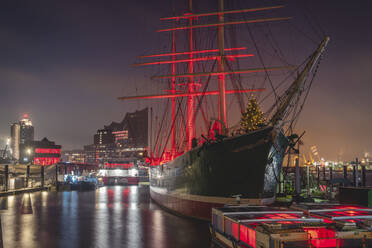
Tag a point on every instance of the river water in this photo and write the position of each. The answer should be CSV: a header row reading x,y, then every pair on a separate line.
x,y
117,216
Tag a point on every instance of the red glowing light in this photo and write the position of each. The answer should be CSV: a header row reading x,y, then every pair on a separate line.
x,y
166,157
43,150
25,116
234,230
207,93
119,165
321,237
248,235
45,161
193,52
230,57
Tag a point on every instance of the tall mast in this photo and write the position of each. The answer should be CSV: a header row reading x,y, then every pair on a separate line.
x,y
298,83
221,68
173,124
189,56
190,86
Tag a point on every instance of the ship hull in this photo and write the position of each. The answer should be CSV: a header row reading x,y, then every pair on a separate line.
x,y
209,176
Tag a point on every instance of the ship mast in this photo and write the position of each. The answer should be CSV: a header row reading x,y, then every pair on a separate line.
x,y
298,83
189,57
221,68
190,85
173,90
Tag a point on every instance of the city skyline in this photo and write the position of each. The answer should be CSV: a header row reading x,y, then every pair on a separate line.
x,y
65,64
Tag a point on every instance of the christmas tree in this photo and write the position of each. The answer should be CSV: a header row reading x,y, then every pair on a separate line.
x,y
252,118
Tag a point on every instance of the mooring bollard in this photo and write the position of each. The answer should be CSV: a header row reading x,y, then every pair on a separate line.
x,y
298,180
330,182
27,175
6,177
355,173
308,180
318,172
324,173
42,176
345,172
363,175
56,177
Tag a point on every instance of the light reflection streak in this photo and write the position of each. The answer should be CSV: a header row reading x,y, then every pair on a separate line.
x,y
115,216
70,230
9,233
100,218
158,228
28,231
134,224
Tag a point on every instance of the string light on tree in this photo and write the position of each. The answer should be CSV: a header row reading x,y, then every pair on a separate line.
x,y
252,118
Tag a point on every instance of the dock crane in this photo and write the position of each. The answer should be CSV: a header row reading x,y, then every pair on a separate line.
x,y
5,149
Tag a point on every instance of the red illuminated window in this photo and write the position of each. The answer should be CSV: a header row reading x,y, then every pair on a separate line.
x,y
119,165
248,235
44,150
322,237
234,230
45,161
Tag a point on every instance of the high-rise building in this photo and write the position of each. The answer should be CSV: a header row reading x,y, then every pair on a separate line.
x,y
14,134
26,130
21,132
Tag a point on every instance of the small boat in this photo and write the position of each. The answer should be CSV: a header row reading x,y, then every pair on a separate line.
x,y
118,174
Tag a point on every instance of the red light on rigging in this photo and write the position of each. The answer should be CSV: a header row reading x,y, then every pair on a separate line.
x,y
193,52
229,57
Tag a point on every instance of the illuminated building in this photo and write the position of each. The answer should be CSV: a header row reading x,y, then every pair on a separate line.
x,y
21,132
26,131
132,131
43,152
103,137
74,156
90,153
131,135
121,141
14,134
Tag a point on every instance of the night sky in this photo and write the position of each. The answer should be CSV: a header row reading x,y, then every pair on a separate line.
x,y
65,62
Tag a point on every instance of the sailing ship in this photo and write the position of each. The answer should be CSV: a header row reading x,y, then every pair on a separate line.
x,y
190,173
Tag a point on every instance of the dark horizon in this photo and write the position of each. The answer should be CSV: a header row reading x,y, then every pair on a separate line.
x,y
65,63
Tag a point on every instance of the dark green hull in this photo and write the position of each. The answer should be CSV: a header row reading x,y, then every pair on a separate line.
x,y
246,165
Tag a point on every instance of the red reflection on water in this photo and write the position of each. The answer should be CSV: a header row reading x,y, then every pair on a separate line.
x,y
110,197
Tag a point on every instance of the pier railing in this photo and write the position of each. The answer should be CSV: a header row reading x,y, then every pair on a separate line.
x,y
18,177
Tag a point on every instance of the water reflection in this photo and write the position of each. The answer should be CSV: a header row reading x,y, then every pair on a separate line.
x,y
115,216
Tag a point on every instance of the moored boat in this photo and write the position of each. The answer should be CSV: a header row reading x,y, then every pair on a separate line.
x,y
118,174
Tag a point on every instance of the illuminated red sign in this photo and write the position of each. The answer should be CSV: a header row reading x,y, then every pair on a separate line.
x,y
44,150
45,161
119,165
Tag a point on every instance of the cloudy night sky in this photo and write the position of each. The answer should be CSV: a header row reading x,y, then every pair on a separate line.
x,y
65,62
